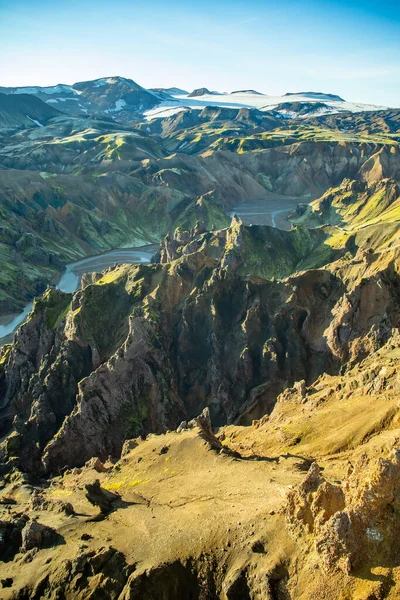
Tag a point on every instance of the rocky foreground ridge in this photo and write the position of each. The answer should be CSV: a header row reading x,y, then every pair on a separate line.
x,y
252,513
290,341
226,319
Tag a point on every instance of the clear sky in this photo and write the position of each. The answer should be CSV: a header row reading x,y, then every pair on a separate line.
x,y
350,48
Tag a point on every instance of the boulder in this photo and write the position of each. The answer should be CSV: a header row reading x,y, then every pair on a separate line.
x,y
37,535
96,464
100,497
129,445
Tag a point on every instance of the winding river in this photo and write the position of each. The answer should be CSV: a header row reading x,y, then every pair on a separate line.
x,y
270,210
69,280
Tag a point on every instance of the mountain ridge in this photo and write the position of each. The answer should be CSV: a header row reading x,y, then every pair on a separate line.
x,y
221,422
25,111
124,98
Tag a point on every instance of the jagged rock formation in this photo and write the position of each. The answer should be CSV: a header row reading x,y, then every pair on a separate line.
x,y
236,528
296,332
135,374
104,499
145,347
354,522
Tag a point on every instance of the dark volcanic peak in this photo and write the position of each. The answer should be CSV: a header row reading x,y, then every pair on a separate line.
x,y
302,109
248,92
201,92
104,82
173,91
317,96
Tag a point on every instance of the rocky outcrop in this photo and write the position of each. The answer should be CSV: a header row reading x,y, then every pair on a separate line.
x,y
11,537
37,535
35,416
146,347
101,498
95,572
313,502
354,523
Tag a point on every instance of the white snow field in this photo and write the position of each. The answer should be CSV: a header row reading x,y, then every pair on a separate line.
x,y
173,100
253,99
38,123
53,89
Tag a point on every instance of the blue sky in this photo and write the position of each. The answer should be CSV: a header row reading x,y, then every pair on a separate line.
x,y
348,48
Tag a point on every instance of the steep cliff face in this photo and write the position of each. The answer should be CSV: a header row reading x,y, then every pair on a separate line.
x,y
220,322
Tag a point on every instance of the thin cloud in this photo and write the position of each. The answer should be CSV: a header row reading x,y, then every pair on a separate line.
x,y
249,20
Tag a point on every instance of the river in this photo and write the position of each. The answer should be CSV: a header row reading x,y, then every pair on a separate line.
x,y
69,280
270,210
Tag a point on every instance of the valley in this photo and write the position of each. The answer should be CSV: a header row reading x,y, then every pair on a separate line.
x,y
271,210
199,345
70,279
82,185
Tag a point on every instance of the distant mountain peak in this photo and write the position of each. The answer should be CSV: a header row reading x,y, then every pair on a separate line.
x,y
248,92
201,92
107,82
317,96
174,91
24,111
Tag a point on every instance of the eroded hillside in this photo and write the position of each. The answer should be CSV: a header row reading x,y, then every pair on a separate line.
x,y
226,319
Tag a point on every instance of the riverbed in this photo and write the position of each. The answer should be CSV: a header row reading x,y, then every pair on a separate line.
x,y
69,280
271,210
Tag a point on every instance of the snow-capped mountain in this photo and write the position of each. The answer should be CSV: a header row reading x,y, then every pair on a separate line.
x,y
290,105
114,94
124,100
62,97
108,96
